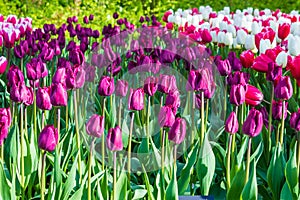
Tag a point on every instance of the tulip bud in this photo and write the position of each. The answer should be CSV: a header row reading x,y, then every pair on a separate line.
x,y
284,30
5,116
241,36
253,96
36,69
166,117
234,61
43,98
58,95
232,123
224,67
274,72
277,109
28,99
15,76
18,93
295,121
3,131
121,88
166,83
95,126
250,42
293,47
76,56
247,58
283,88
150,85
237,94
253,123
3,64
136,99
106,86
295,69
48,138
114,139
238,78
173,100
261,62
178,131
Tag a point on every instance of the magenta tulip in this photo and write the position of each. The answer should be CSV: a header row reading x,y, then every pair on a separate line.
x,y
58,95
232,123
136,99
247,58
238,94
253,123
261,62
106,86
28,99
173,100
48,138
3,64
114,139
253,96
284,30
36,69
43,98
150,85
277,109
15,76
224,67
121,88
295,120
166,117
95,126
178,131
166,83
283,88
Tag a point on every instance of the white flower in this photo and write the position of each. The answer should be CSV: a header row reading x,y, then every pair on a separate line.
x,y
293,45
227,10
256,12
228,39
264,45
241,37
282,59
250,42
223,26
295,28
231,29
256,28
214,36
221,37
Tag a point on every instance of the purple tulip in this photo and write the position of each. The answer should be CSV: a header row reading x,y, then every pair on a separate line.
x,y
150,85
58,95
36,69
232,123
91,17
265,114
295,121
43,98
114,139
283,88
121,88
5,116
76,56
46,54
18,93
253,96
178,131
79,74
115,15
198,80
106,86
237,94
19,51
274,71
173,100
224,67
166,56
28,99
95,126
166,117
253,124
3,131
277,109
136,99
15,76
235,63
85,20
60,76
48,138
166,83
238,78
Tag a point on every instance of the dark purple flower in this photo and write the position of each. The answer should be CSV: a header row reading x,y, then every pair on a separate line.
x,y
237,94
114,139
277,109
274,71
36,69
295,121
232,123
178,131
283,88
95,126
253,123
43,98
58,95
48,138
136,99
106,86
224,67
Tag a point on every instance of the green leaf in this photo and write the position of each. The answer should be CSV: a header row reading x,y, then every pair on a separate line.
x,y
205,166
242,151
257,153
185,174
57,173
286,193
292,174
237,185
70,182
104,186
79,193
250,190
121,185
4,184
139,194
172,190
275,174
148,186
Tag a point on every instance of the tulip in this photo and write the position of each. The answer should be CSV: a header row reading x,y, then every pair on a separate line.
x,y
18,93
15,76
36,69
3,131
274,72
178,131
150,85
253,123
167,56
95,126
76,56
237,94
224,67
60,76
43,98
295,121
250,42
58,95
253,96
121,88
173,100
232,123
247,58
114,139
166,83
3,64
293,47
277,109
284,30
283,88
261,62
79,76
48,138
282,59
5,116
234,61
241,36
106,86
238,78
199,80
166,117
295,69
136,99
28,99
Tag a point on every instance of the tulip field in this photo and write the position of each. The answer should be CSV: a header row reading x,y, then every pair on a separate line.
x,y
198,102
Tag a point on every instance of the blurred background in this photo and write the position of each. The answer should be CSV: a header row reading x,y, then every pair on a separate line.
x,y
57,11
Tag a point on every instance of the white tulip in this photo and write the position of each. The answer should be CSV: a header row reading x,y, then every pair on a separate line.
x,y
231,29
205,25
256,12
295,28
223,25
256,28
221,37
227,10
214,36
171,18
293,45
264,45
228,39
282,59
250,42
250,10
241,37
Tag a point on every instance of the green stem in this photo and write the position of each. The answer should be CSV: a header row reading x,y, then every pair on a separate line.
x,y
225,100
193,117
77,134
270,123
298,145
129,147
103,137
90,168
282,123
228,162
34,111
233,137
206,113
22,153
163,151
115,176
67,117
43,175
120,113
148,121
202,118
248,160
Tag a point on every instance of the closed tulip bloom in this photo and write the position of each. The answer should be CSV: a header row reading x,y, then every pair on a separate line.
x,y
121,88
5,116
58,95
261,62
253,96
253,123
247,58
95,126
3,131
150,85
284,30
237,94
178,131
36,69
79,74
43,98
295,69
28,99
3,64
114,139
274,72
166,117
173,99
238,78
283,88
295,121
166,83
234,61
136,99
232,123
15,76
224,67
106,86
277,109
76,56
18,93
48,138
